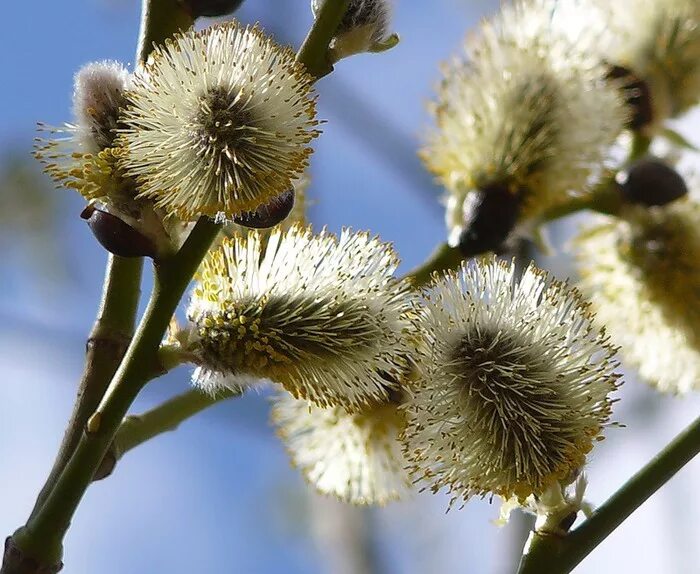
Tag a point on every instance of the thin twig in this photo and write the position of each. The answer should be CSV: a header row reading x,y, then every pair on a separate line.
x,y
166,417
105,348
543,555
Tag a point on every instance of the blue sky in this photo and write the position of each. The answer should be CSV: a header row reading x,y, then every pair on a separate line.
x,y
218,495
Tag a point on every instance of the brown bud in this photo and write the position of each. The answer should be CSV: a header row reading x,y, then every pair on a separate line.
x,y
212,8
650,181
107,466
116,236
269,214
490,214
568,521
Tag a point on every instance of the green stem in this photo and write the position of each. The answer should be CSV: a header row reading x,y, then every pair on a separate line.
x,y
640,147
444,258
116,317
42,536
544,555
605,199
138,429
314,52
160,19
105,348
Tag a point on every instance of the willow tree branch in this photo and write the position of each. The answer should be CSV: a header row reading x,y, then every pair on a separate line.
x,y
314,52
605,199
114,325
105,348
547,555
444,258
41,539
160,19
116,317
138,429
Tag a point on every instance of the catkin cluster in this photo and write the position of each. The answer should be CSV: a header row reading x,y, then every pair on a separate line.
x,y
488,380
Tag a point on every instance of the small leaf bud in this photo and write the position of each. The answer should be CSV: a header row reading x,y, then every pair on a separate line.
x,y
212,8
116,236
650,181
269,214
490,213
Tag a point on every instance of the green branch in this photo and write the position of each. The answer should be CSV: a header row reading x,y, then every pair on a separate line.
x,y
138,429
444,258
314,52
105,348
604,199
550,555
160,20
114,325
42,536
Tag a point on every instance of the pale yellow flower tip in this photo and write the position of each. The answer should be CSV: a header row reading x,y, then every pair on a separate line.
x,y
323,316
642,275
512,387
219,122
84,155
355,457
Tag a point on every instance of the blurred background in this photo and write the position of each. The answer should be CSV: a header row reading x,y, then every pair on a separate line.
x,y
219,495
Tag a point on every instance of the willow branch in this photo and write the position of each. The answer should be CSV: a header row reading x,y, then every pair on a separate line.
x,y
42,537
114,325
116,317
314,52
105,348
160,19
444,258
560,555
166,417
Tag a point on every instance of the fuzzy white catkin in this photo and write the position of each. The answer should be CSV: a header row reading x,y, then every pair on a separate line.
x,y
98,95
512,387
218,122
522,106
84,155
659,41
356,457
322,316
641,272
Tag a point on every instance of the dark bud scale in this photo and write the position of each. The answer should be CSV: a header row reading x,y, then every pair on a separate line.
x,y
212,8
115,236
651,181
269,214
636,93
568,521
490,214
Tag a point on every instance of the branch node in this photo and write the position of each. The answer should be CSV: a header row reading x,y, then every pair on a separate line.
x,y
17,562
